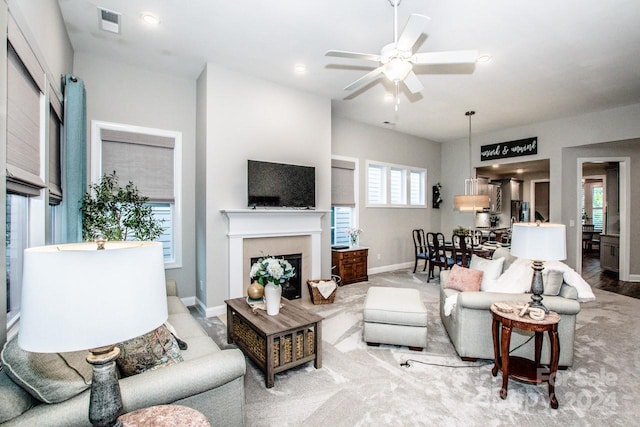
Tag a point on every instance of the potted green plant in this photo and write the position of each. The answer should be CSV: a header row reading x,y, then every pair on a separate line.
x,y
117,213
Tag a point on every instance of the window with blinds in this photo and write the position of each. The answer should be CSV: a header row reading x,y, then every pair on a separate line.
x,y
343,199
150,159
395,185
24,100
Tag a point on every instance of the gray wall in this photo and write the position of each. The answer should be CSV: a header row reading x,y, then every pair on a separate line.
x,y
120,93
616,124
250,118
387,231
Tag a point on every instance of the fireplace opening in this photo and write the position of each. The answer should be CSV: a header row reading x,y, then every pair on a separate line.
x,y
293,289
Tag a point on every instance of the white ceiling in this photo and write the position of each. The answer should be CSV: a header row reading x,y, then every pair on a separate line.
x,y
551,58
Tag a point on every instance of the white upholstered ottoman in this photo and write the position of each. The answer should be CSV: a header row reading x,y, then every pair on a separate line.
x,y
395,316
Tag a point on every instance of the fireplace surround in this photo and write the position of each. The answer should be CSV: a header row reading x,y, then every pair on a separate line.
x,y
243,224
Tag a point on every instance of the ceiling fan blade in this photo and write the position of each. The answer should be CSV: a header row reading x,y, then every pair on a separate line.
x,y
413,83
369,77
412,31
448,57
355,55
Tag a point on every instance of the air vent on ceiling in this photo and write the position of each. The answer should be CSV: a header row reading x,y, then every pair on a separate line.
x,y
109,20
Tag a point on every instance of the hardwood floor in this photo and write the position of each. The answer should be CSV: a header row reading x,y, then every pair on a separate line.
x,y
607,280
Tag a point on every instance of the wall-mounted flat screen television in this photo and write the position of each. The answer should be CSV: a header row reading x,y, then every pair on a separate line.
x,y
281,185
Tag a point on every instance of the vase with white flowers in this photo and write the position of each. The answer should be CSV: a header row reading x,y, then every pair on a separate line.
x,y
272,273
354,236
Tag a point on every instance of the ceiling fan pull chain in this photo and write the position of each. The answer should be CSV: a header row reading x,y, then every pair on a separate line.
x,y
397,95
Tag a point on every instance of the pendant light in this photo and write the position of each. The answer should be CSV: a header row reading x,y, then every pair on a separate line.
x,y
470,201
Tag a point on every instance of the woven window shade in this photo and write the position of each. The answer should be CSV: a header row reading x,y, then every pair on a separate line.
x,y
146,160
342,183
55,180
23,129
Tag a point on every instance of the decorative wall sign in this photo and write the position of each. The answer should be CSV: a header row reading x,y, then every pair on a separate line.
x,y
503,150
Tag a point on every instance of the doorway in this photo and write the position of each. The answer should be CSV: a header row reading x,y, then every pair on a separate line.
x,y
604,195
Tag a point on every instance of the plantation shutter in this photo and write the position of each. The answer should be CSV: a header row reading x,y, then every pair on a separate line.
x,y
55,171
146,160
25,84
342,183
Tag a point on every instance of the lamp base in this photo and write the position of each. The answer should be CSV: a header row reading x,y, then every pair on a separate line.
x,y
105,402
537,286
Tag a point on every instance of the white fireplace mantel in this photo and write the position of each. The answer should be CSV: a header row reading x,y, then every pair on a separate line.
x,y
258,223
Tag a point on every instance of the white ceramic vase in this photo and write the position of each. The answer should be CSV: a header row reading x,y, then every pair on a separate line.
x,y
272,295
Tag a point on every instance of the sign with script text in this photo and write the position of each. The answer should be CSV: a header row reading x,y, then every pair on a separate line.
x,y
503,150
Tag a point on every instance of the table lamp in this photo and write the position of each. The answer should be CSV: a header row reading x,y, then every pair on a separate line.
x,y
78,297
538,242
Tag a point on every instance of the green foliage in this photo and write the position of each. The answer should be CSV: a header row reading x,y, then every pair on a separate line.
x,y
117,212
461,231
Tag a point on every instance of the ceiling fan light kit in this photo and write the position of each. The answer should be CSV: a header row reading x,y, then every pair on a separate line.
x,y
397,59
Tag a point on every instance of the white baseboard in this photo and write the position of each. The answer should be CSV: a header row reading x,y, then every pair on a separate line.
x,y
634,277
392,267
188,301
210,311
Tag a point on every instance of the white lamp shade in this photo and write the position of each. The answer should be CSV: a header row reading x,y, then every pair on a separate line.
x,y
75,297
539,241
471,202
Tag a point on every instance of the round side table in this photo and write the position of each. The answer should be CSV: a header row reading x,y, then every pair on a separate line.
x,y
518,367
164,416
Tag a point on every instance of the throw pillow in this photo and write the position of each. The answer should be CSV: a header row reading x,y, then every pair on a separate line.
x,y
552,281
49,377
492,269
14,400
150,351
506,254
463,279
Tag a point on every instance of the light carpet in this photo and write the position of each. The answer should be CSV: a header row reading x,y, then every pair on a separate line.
x,y
365,386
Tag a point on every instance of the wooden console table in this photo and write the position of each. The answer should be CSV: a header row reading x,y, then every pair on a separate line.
x,y
275,343
351,264
520,368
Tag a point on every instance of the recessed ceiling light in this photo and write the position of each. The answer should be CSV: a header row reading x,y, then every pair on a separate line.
x,y
300,68
150,19
519,171
484,58
495,166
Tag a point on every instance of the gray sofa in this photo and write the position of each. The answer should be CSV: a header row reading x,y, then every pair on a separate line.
x,y
469,324
209,379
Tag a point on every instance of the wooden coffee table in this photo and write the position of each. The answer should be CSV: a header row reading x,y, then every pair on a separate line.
x,y
517,367
275,343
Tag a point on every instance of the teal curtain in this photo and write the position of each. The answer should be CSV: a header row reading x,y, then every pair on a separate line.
x,y
74,169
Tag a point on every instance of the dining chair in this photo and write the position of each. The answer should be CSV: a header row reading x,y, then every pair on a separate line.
x,y
587,236
420,248
462,249
442,258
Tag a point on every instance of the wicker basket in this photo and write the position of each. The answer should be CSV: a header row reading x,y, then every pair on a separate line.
x,y
257,346
316,296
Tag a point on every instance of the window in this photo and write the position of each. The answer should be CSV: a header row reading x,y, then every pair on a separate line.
x,y
592,197
597,207
343,198
341,220
417,185
17,220
376,184
150,158
395,185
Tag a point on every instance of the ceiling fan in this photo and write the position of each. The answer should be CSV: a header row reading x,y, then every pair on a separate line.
x,y
397,59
